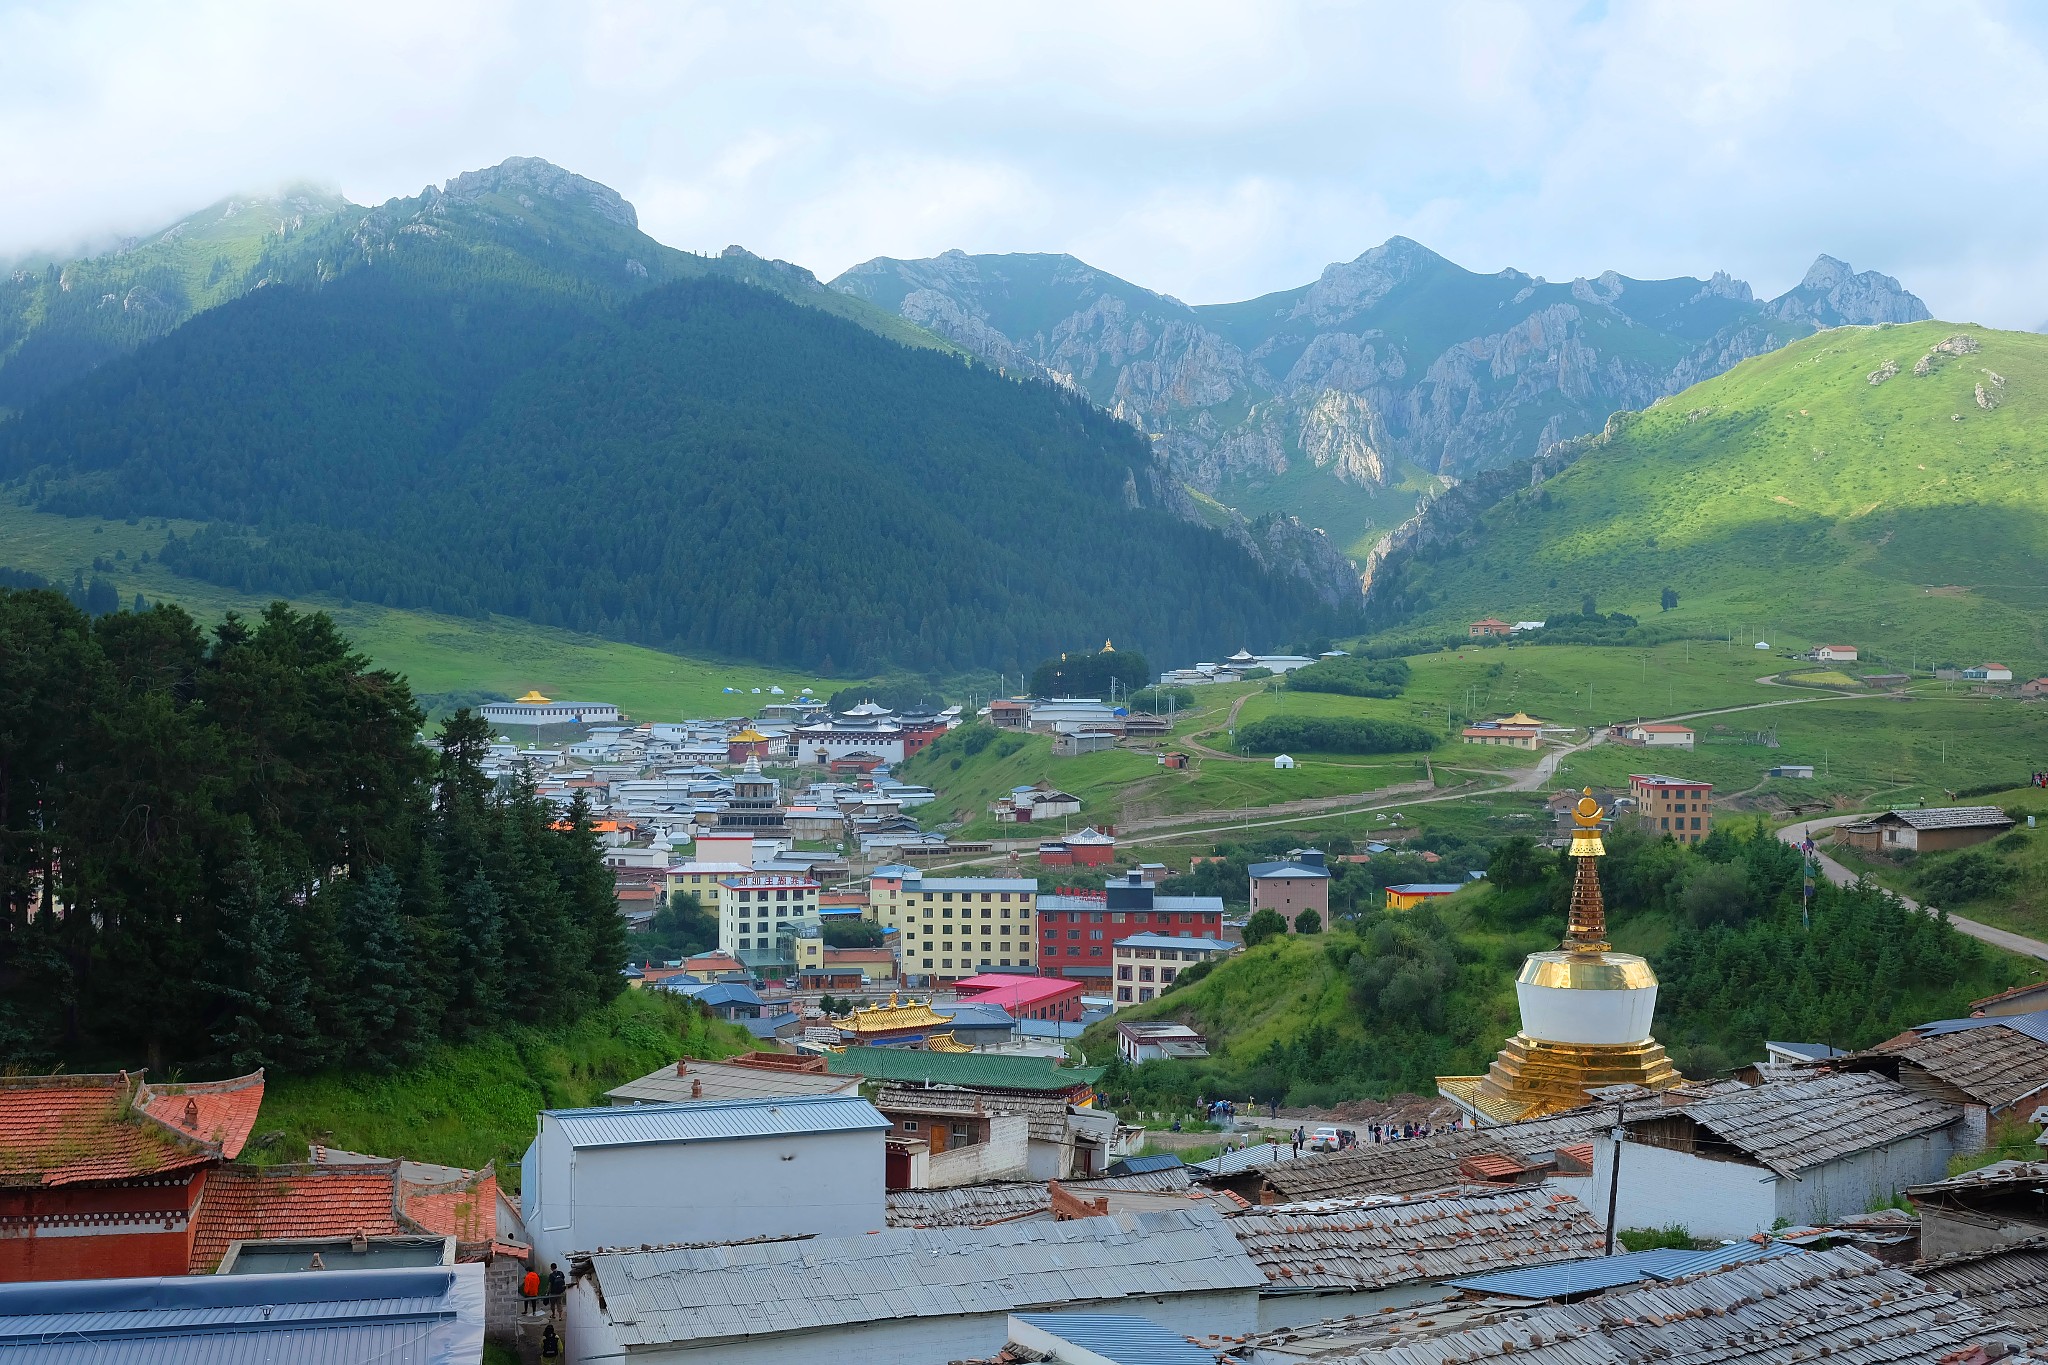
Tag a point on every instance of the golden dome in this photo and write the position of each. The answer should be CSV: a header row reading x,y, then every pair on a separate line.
x,y
533,698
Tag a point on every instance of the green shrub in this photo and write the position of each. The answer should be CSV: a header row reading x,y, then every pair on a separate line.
x,y
1334,735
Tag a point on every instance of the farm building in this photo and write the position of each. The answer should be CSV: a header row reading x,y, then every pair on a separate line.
x,y
1928,831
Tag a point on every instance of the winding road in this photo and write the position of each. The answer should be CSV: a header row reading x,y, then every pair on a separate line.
x,y
1842,876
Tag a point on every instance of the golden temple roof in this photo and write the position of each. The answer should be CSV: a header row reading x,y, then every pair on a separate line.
x,y
533,698
749,736
896,1014
1520,718
945,1042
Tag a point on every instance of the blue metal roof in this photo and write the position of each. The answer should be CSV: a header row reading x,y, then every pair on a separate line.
x,y
1145,1165
1207,945
767,1025
717,1120
2033,1025
977,1016
1607,1272
427,1316
1287,869
715,993
1123,1338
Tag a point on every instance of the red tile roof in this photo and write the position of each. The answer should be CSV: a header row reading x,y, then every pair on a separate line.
x,y
218,1112
65,1130
243,1202
465,1208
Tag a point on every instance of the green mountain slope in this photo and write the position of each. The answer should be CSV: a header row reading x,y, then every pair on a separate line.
x,y
1885,485
707,468
61,319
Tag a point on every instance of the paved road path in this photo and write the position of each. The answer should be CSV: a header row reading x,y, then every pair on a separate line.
x,y
1842,876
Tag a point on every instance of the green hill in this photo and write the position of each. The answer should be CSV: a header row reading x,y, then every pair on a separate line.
x,y
1886,486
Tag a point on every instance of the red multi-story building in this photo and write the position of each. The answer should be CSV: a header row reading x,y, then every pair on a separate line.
x,y
102,1177
1077,929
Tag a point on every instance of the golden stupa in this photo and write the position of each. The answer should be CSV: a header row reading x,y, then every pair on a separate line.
x,y
533,698
1586,1012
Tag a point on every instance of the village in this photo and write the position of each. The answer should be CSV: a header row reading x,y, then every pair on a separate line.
x,y
912,1162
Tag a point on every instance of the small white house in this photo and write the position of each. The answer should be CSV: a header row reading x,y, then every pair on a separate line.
x,y
799,1165
1659,736
1988,673
1282,761
1834,654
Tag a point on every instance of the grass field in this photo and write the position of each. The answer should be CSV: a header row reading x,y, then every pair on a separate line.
x,y
467,1105
1791,498
437,653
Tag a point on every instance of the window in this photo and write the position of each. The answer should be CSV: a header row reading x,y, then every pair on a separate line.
x,y
946,962
1145,974
1092,952
1095,934
1123,973
1166,973
986,897
1695,822
910,1125
1145,992
948,898
1123,992
782,895
1073,933
985,912
1116,917
927,964
1095,917
1667,822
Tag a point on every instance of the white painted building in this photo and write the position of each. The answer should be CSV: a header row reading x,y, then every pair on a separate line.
x,y
717,1171
1804,1151
907,1296
534,709
1659,736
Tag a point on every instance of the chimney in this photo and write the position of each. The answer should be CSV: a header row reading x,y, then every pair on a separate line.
x,y
682,1068
192,1114
697,1088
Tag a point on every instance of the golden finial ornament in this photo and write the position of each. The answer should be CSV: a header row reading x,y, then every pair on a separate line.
x,y
1586,929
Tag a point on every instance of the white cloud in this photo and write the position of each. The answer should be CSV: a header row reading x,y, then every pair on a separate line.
x,y
1205,149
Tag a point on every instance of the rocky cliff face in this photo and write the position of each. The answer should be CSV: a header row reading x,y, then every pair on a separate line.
x,y
1398,358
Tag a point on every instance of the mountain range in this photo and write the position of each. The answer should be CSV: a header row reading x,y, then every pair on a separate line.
x,y
500,397
1380,381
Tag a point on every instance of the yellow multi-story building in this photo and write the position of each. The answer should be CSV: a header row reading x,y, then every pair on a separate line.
x,y
703,880
953,927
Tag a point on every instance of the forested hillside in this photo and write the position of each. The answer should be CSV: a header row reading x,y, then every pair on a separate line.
x,y
233,852
708,468
1887,486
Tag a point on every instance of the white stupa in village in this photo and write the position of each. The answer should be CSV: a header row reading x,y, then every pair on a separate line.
x,y
1586,1012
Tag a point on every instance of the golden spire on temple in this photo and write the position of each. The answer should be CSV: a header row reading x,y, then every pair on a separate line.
x,y
1586,928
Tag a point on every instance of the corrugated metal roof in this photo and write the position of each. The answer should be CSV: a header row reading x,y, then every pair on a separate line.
x,y
427,1316
688,1295
717,1120
716,1081
1258,1154
1377,1244
1581,1276
1120,1337
1145,1165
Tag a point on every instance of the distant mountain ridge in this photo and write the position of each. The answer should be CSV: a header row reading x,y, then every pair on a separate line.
x,y
1396,364
62,319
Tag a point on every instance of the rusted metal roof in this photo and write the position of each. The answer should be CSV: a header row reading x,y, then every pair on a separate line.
x,y
1376,1244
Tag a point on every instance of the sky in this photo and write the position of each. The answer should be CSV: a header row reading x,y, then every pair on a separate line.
x,y
1210,151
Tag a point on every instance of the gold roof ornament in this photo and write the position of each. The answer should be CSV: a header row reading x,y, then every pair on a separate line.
x,y
533,698
749,736
1108,648
897,1014
945,1042
1586,926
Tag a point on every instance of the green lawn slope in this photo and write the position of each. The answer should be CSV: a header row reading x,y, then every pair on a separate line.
x,y
1793,498
464,1106
442,656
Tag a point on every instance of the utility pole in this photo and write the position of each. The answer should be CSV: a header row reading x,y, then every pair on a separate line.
x,y
1616,1135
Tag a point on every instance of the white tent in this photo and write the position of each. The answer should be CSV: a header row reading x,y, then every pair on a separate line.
x,y
1282,761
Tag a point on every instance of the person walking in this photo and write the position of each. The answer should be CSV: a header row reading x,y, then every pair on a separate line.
x,y
550,1344
557,1281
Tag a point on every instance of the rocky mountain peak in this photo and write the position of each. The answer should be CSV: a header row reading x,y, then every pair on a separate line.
x,y
529,175
1350,287
1834,295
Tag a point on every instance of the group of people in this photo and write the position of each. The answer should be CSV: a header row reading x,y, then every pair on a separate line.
x,y
535,1288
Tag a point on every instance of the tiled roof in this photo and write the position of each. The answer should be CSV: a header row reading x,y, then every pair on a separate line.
x,y
999,1202
703,1295
1046,1111
1792,1126
64,1130
1353,1244
241,1203
1950,817
2008,1283
1998,1065
465,1208
1839,1304
978,1069
1411,1166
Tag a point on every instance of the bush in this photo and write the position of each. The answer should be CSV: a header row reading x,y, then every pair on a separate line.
x,y
852,933
1308,922
1334,735
1266,924
1675,1237
1970,876
1352,677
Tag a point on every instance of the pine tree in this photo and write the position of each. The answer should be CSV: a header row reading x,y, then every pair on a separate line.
x,y
261,980
386,1014
477,935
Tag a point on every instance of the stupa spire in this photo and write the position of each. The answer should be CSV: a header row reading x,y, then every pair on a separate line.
x,y
1586,928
